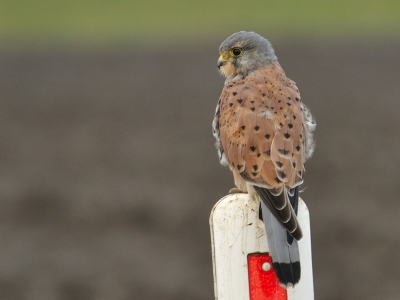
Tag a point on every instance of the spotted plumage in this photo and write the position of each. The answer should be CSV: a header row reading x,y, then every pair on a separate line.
x,y
263,133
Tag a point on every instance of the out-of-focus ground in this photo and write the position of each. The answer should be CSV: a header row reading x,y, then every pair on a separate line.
x,y
108,170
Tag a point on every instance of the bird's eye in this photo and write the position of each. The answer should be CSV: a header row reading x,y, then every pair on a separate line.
x,y
236,52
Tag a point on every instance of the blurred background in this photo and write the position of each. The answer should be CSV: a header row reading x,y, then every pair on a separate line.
x,y
108,169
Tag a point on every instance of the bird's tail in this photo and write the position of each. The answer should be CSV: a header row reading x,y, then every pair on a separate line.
x,y
283,247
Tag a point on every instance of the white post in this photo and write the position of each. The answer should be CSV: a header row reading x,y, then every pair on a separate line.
x,y
237,231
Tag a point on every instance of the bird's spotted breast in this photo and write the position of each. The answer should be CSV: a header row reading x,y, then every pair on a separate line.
x,y
261,127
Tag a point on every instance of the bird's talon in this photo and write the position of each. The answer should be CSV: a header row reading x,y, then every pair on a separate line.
x,y
235,190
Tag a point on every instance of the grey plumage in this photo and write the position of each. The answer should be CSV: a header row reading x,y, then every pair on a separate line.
x,y
285,256
258,51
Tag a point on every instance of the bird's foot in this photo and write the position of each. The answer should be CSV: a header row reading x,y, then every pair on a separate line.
x,y
235,190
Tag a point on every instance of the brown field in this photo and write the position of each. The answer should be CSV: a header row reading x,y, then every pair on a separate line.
x,y
109,173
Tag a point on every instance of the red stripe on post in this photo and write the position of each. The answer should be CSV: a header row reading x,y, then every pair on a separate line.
x,y
263,283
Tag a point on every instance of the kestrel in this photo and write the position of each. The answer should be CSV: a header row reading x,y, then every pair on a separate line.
x,y
263,132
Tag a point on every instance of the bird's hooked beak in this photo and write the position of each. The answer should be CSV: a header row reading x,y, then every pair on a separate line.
x,y
221,61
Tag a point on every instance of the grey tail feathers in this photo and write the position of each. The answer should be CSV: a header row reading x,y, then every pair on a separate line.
x,y
282,245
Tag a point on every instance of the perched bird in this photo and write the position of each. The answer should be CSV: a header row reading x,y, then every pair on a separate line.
x,y
263,132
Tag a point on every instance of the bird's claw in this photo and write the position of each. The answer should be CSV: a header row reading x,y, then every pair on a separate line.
x,y
235,190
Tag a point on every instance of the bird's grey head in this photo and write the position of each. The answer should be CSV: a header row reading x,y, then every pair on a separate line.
x,y
244,52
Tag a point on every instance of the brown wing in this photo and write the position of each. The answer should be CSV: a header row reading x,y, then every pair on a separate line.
x,y
261,128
